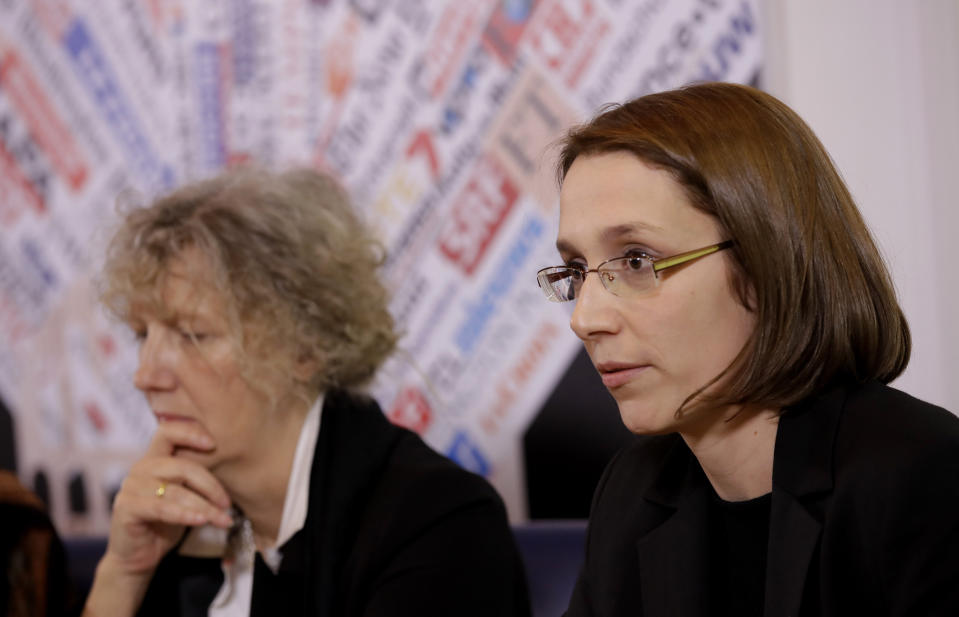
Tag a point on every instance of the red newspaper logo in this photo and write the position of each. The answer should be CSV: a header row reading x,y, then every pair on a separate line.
x,y
422,145
448,46
478,214
46,127
518,377
565,36
17,190
505,28
411,410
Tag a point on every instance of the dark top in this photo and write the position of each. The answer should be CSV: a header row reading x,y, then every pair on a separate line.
x,y
392,529
739,533
864,516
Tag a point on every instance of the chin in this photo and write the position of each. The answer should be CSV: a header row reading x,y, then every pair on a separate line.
x,y
644,429
644,419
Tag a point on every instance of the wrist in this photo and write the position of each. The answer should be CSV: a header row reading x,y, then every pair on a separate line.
x,y
117,590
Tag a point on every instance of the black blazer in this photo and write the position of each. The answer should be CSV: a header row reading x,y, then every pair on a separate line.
x,y
392,529
864,517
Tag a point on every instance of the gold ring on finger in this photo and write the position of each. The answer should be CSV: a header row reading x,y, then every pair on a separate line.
x,y
161,490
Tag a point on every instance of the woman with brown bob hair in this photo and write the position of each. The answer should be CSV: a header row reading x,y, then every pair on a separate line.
x,y
272,484
744,321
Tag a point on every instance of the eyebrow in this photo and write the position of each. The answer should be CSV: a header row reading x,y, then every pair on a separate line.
x,y
612,234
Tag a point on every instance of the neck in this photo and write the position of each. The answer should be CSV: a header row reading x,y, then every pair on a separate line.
x,y
259,488
736,451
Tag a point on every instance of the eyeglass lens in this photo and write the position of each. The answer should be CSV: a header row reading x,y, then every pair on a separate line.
x,y
621,276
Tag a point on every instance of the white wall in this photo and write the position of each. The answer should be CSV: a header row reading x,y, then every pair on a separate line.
x,y
878,80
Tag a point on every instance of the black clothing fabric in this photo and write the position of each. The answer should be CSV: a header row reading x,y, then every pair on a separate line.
x,y
864,516
392,529
739,534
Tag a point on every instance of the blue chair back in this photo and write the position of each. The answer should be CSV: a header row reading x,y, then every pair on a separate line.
x,y
552,552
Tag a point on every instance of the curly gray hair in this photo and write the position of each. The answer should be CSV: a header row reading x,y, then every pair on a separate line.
x,y
297,268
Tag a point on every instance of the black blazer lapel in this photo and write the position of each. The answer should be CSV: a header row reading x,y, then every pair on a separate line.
x,y
793,538
802,475
673,557
354,444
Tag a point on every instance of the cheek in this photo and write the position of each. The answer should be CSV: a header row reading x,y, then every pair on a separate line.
x,y
676,315
728,328
221,360
214,376
700,332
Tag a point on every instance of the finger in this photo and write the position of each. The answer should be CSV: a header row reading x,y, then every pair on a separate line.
x,y
149,472
181,505
171,436
178,505
184,472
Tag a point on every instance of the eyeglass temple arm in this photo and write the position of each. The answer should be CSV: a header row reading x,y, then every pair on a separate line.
x,y
675,260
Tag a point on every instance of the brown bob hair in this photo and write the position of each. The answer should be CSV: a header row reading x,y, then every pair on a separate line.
x,y
804,260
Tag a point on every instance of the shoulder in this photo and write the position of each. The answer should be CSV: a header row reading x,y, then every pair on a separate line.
x,y
373,461
391,464
870,426
885,427
410,485
433,536
895,460
883,401
895,500
436,504
424,476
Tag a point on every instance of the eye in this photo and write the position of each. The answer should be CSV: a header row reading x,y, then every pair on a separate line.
x,y
138,329
636,260
577,268
191,335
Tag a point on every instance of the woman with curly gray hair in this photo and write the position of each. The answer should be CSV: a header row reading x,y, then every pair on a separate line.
x,y
271,484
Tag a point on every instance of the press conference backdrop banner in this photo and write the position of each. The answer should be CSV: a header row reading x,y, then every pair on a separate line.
x,y
437,117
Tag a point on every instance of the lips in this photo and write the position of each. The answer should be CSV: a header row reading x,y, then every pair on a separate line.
x,y
163,416
615,374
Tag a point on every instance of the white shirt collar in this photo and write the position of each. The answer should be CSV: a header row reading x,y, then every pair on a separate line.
x,y
298,487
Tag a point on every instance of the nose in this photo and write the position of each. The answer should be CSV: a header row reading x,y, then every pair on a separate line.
x,y
593,313
154,371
